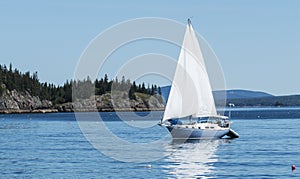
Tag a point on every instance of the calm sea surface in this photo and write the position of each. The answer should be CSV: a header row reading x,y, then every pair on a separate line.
x,y
53,146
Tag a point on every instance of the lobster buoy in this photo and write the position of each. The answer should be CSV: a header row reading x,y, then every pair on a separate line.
x,y
293,167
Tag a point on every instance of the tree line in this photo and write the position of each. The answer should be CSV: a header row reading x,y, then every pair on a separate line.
x,y
13,79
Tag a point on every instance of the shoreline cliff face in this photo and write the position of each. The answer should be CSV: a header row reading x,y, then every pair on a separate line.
x,y
23,102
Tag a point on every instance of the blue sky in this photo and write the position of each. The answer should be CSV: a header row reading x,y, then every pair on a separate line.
x,y
257,42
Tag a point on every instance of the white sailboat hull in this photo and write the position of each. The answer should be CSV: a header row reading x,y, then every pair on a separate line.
x,y
184,132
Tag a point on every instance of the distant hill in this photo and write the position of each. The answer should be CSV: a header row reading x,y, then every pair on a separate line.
x,y
242,98
242,94
277,101
231,94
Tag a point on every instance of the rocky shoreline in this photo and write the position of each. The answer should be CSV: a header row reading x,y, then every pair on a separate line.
x,y
15,102
115,102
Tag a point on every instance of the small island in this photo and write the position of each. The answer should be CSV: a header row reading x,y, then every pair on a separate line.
x,y
24,93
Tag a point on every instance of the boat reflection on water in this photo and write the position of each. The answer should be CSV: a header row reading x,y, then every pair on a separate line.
x,y
191,158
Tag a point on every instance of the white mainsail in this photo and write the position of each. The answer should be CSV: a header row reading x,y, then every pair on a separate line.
x,y
190,93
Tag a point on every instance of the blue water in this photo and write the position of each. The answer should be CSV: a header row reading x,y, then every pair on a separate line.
x,y
53,146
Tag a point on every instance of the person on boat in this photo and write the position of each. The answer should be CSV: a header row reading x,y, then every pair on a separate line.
x,y
219,122
226,123
174,121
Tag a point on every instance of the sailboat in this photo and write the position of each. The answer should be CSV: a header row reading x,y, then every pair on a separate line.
x,y
191,97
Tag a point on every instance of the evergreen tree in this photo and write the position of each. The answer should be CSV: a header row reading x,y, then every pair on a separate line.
x,y
152,90
143,89
159,90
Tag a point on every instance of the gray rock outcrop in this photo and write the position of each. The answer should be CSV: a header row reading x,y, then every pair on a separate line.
x,y
116,102
16,102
